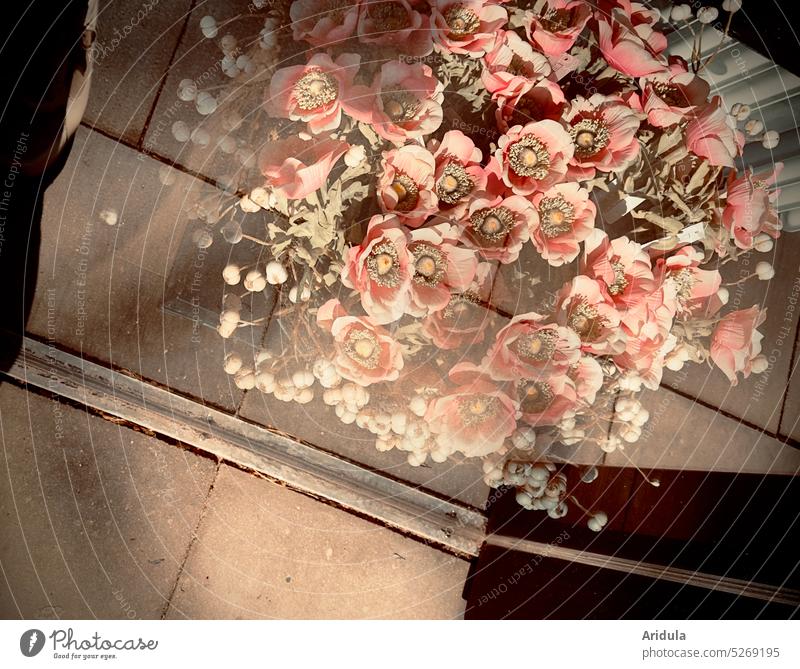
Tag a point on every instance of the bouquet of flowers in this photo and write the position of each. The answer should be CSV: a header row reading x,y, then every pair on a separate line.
x,y
490,224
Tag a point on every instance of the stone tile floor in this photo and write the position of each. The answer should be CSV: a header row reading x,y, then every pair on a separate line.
x,y
105,521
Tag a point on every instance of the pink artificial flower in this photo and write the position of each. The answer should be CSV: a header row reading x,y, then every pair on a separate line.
x,y
458,172
545,399
669,97
587,375
528,101
364,352
406,104
648,338
534,156
467,27
603,129
628,47
566,218
691,286
296,168
556,29
736,342
498,227
380,269
712,135
622,266
405,187
440,268
528,346
396,24
750,207
323,22
465,319
316,92
584,305
511,63
475,417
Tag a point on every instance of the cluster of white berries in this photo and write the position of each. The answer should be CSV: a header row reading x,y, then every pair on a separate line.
x,y
631,416
754,127
255,280
539,487
229,319
267,38
680,355
571,433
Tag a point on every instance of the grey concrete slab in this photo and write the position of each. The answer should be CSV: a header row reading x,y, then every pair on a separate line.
x,y
95,518
758,399
101,287
683,434
263,551
135,43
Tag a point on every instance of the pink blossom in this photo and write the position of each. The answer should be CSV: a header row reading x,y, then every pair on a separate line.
x,y
527,346
316,92
524,101
295,168
566,218
364,352
736,342
498,227
545,399
670,96
603,130
750,207
587,375
475,417
511,63
467,27
584,305
405,187
380,269
440,268
691,286
711,134
407,103
458,172
396,24
534,156
622,266
556,29
323,22
629,47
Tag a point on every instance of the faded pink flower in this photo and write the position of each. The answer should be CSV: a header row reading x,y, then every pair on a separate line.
x,y
316,92
584,305
557,27
511,63
467,27
498,227
691,286
528,346
397,24
750,207
475,417
323,22
712,135
405,187
587,375
458,172
440,268
296,168
534,156
736,342
622,266
406,103
545,399
528,101
669,97
603,129
566,218
632,48
365,353
380,269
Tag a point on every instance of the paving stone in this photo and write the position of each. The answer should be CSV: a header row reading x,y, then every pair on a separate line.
x,y
759,398
96,518
790,423
101,287
682,434
264,551
134,45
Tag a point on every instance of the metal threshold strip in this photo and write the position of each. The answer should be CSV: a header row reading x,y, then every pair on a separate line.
x,y
415,512
686,577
